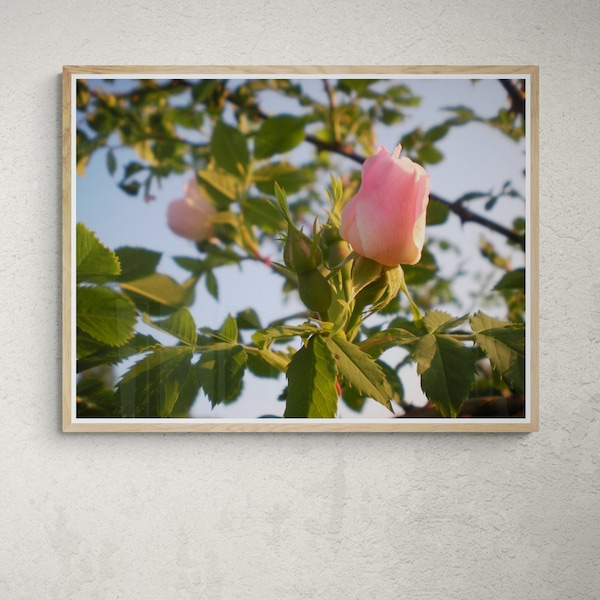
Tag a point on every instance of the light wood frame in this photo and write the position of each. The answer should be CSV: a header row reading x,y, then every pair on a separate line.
x,y
71,423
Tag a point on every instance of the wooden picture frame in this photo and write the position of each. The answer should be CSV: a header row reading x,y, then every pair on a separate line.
x,y
97,138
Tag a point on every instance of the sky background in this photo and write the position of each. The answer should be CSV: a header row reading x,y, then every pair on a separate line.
x,y
476,158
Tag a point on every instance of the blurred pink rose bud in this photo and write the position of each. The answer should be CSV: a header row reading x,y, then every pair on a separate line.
x,y
190,216
385,221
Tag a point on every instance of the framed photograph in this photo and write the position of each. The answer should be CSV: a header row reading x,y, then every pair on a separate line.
x,y
300,249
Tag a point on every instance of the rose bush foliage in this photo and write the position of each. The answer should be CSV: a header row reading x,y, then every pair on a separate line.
x,y
358,247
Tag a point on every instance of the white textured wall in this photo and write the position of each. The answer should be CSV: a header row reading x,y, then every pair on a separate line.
x,y
441,517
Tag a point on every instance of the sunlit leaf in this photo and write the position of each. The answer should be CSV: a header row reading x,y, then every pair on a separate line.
x,y
437,212
437,321
222,187
264,214
111,162
311,378
94,261
278,134
107,316
155,291
221,372
289,177
151,387
100,354
212,285
447,370
248,319
136,263
512,280
229,148
180,325
504,344
265,337
360,371
391,337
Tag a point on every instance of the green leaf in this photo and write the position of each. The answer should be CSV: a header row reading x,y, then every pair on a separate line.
x,y
311,378
446,368
188,392
512,280
437,213
248,319
463,113
266,337
390,117
197,266
136,263
107,316
429,155
360,371
378,343
215,258
358,85
132,168
436,133
221,372
229,149
229,330
504,344
86,345
151,387
111,162
353,399
519,224
186,116
220,186
437,321
425,270
132,188
289,177
91,353
261,367
277,135
212,285
82,95
94,398
205,88
264,214
410,326
155,291
94,261
180,325
394,380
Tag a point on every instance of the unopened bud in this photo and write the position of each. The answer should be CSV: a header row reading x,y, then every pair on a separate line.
x,y
314,291
337,252
300,254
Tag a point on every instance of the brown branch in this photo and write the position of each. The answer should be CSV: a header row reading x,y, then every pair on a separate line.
x,y
465,215
517,96
512,405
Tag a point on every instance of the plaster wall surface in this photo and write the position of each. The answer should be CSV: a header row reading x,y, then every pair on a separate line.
x,y
417,516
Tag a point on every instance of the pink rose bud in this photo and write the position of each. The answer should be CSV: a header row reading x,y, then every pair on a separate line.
x,y
190,216
385,221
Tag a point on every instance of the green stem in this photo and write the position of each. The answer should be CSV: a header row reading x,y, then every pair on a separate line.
x,y
414,309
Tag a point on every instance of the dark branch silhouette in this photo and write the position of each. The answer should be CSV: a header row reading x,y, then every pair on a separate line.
x,y
516,95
